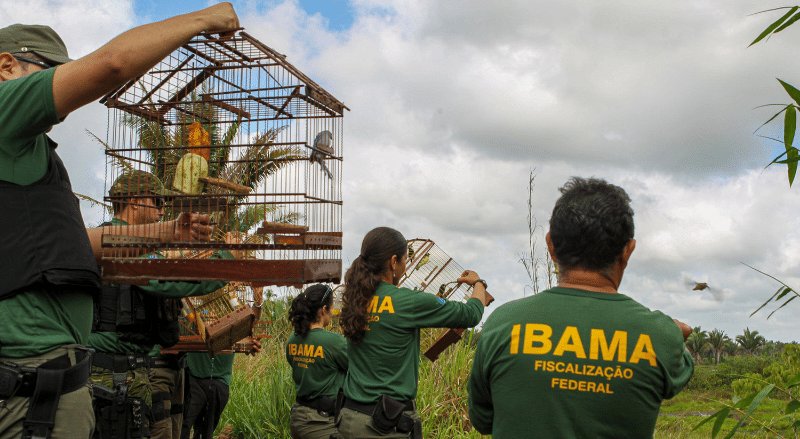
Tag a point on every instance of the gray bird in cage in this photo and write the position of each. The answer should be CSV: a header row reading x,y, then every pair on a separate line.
x,y
321,148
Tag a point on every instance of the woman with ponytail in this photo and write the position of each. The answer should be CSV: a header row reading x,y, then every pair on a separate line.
x,y
382,323
319,362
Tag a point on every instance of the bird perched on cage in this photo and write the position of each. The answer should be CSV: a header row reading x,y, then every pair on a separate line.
x,y
321,148
194,164
425,259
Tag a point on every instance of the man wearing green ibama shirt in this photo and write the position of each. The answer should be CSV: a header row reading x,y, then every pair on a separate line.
x,y
580,360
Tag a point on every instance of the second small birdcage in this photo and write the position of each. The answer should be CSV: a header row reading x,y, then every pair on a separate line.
x,y
431,270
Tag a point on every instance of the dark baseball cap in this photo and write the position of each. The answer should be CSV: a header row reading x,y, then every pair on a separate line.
x,y
138,182
34,38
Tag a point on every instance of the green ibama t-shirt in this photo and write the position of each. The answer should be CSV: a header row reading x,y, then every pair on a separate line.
x,y
386,361
35,321
569,363
319,363
205,366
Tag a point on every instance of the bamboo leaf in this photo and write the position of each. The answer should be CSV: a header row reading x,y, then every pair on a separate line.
x,y
769,10
770,119
755,402
771,28
711,417
784,292
791,162
788,23
766,302
784,304
723,414
789,126
793,92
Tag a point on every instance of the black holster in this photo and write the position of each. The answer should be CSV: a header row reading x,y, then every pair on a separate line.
x,y
119,416
44,385
388,417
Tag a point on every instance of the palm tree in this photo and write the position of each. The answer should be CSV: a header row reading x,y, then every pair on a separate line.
x,y
697,343
750,341
717,340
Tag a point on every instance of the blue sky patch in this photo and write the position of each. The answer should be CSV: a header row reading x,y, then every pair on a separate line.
x,y
339,13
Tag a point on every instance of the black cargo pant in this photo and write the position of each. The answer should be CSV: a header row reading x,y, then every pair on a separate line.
x,y
204,402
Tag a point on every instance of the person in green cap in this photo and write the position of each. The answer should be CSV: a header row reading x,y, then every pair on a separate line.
x,y
319,364
382,322
50,270
579,360
131,321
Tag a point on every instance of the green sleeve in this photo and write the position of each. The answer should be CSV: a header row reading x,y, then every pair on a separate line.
x,y
431,311
481,408
26,108
680,376
176,289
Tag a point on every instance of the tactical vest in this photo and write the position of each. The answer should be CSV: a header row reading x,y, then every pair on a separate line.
x,y
138,317
44,240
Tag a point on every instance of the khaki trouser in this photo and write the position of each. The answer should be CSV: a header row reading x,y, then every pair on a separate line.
x,y
356,425
74,417
308,423
167,380
137,382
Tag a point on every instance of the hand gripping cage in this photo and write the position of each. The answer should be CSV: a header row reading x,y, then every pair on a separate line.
x,y
230,129
431,270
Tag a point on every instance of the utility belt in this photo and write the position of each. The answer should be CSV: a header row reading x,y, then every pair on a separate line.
x,y
119,363
326,406
44,385
388,415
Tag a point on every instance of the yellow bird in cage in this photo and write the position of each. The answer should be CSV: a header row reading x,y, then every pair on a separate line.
x,y
194,164
425,259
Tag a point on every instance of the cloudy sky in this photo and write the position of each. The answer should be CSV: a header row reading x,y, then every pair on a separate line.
x,y
455,102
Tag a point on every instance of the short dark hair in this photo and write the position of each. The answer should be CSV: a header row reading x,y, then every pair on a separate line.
x,y
591,224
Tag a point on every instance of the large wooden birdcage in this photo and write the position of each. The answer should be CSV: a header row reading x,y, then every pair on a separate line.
x,y
240,134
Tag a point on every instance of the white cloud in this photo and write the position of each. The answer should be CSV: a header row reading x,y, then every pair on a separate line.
x,y
453,102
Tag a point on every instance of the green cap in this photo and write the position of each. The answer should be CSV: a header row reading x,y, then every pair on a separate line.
x,y
139,183
41,40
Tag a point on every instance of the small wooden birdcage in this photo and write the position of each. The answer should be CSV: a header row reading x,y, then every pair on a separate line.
x,y
220,319
233,130
431,270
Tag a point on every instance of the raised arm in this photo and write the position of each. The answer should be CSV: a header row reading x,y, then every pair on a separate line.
x,y
131,54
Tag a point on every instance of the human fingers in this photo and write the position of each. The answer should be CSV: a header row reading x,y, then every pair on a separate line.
x,y
221,18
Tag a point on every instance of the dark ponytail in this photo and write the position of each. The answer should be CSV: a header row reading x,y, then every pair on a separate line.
x,y
305,306
364,275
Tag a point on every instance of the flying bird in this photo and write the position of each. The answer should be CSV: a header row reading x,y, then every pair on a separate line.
x,y
718,294
321,148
